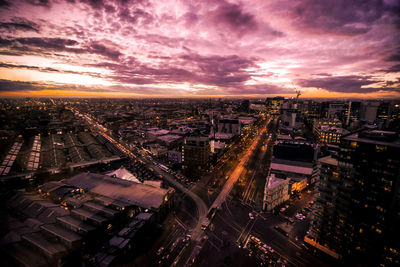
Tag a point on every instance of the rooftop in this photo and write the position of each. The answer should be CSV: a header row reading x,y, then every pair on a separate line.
x,y
377,137
274,181
124,174
124,191
334,129
291,166
159,132
329,160
169,138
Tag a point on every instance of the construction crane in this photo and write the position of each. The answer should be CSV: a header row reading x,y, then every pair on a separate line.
x,y
298,92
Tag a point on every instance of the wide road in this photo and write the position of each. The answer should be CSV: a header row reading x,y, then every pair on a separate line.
x,y
202,208
232,227
233,177
237,172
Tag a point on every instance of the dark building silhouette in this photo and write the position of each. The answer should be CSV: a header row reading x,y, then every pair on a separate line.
x,y
195,155
357,213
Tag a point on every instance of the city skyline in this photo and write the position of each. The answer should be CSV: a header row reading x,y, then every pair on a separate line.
x,y
199,182
210,48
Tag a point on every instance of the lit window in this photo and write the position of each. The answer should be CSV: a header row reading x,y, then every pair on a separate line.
x,y
380,148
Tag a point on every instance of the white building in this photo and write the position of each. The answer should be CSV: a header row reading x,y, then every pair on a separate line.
x,y
276,192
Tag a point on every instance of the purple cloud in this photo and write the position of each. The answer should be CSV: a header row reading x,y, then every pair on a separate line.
x,y
4,3
230,46
100,49
19,24
47,43
336,17
235,18
16,86
344,84
395,68
45,3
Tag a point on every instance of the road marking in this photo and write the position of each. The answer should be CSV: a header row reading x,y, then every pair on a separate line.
x,y
297,246
181,224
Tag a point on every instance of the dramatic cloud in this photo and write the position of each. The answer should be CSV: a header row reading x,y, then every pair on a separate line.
x,y
210,47
346,84
19,24
337,17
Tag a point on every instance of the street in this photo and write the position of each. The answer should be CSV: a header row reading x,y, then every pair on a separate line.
x,y
183,242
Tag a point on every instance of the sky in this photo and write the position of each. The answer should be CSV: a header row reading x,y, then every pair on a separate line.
x,y
200,48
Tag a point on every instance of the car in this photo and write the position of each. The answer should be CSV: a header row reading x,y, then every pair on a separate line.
x,y
300,216
160,250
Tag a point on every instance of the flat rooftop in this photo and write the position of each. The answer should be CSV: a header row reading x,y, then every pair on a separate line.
x,y
291,166
329,160
385,138
169,138
124,191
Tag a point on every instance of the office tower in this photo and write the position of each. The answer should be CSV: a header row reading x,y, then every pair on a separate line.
x,y
357,211
369,111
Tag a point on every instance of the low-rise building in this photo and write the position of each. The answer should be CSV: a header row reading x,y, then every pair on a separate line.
x,y
275,192
67,219
170,140
330,134
158,150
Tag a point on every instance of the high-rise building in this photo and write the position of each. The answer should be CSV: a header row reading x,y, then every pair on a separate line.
x,y
369,111
357,210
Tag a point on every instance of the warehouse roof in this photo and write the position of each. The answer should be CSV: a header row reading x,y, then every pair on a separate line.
x,y
119,190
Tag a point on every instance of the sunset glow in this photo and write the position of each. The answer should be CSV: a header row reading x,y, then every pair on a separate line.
x,y
207,48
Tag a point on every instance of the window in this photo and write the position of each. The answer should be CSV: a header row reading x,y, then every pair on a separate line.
x,y
379,148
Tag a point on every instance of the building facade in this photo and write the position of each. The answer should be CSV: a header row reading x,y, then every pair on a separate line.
x,y
276,192
195,155
357,210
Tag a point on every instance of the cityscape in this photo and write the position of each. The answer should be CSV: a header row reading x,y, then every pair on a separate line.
x,y
199,133
194,182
